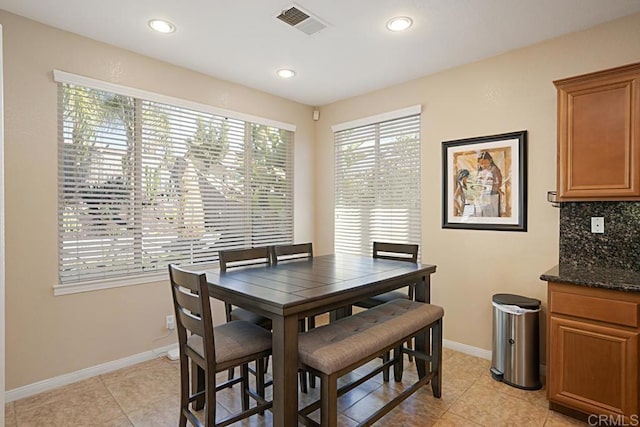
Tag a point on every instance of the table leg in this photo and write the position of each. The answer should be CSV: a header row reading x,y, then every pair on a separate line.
x,y
423,289
423,343
285,369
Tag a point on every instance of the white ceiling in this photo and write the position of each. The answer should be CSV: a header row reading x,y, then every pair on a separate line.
x,y
242,41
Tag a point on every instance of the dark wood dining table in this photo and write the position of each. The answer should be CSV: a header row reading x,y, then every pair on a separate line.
x,y
297,289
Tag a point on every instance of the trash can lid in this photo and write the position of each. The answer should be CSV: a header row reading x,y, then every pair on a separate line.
x,y
520,301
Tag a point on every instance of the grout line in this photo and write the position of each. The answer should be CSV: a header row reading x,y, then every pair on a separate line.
x,y
115,400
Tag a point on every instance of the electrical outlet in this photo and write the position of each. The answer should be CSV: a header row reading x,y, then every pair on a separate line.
x,y
171,322
597,224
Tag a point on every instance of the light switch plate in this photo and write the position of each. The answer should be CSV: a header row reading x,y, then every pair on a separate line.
x,y
597,224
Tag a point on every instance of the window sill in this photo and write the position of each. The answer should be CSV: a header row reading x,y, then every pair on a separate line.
x,y
118,282
96,285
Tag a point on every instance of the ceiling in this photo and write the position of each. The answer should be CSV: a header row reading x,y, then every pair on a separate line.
x,y
241,40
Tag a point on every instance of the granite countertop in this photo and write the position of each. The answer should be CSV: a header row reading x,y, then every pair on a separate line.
x,y
595,277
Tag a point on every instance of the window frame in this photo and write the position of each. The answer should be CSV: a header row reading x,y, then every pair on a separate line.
x,y
61,77
376,121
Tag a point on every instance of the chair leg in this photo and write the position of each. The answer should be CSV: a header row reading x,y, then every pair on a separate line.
x,y
311,324
410,347
231,373
197,384
302,375
398,366
312,380
436,358
184,391
210,405
244,372
260,371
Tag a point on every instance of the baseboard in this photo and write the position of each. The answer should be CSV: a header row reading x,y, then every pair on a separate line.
x,y
83,374
478,352
467,349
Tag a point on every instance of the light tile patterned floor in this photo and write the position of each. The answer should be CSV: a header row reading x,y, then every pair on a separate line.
x,y
147,395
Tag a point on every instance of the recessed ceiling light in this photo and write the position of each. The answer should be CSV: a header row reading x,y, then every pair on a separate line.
x,y
285,73
162,26
399,23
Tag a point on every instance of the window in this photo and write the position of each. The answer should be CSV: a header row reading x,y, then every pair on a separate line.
x,y
144,183
377,194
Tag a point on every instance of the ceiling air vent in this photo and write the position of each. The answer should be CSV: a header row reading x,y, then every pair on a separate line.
x,y
301,20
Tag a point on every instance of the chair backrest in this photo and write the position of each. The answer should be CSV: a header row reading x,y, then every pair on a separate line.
x,y
287,252
395,251
193,311
244,257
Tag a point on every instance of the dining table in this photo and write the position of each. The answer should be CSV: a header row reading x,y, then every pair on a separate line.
x,y
296,289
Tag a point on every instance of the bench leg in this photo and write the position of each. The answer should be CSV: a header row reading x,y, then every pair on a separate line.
x,y
385,373
244,371
421,346
398,366
436,358
329,401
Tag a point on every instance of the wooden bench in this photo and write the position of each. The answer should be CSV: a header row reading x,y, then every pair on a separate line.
x,y
338,348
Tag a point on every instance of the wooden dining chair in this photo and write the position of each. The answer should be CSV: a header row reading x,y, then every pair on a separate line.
x,y
293,252
398,252
235,258
242,258
214,349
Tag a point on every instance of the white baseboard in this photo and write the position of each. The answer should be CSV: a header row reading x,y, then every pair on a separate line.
x,y
467,349
83,374
478,352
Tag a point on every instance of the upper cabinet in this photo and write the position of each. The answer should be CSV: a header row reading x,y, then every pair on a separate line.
x,y
599,135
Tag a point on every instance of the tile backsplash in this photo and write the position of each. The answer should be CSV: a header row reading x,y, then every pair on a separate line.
x,y
618,247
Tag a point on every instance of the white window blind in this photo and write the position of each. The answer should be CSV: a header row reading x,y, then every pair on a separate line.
x,y
143,184
377,194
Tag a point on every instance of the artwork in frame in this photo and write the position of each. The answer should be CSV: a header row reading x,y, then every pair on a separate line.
x,y
485,182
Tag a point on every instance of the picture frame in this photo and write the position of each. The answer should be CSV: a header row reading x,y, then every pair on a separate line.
x,y
484,182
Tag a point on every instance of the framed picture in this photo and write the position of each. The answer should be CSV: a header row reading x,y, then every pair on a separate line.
x,y
484,182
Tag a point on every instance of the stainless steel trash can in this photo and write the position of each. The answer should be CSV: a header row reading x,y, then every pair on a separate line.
x,y
515,358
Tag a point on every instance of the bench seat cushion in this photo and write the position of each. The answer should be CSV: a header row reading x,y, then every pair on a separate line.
x,y
335,346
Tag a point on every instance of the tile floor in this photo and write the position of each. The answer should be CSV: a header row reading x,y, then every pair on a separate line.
x,y
147,395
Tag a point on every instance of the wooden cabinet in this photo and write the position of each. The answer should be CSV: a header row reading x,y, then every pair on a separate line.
x,y
592,350
599,135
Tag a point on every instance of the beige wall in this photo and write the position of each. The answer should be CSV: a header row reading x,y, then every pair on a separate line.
x,y
510,92
47,336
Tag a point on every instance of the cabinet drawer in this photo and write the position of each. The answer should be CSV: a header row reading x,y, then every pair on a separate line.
x,y
595,308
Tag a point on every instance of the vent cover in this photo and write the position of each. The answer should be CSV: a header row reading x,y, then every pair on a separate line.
x,y
301,20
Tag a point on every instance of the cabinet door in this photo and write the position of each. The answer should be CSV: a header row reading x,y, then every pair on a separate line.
x,y
593,368
598,140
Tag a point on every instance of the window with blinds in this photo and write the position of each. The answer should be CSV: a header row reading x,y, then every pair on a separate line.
x,y
143,184
377,184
